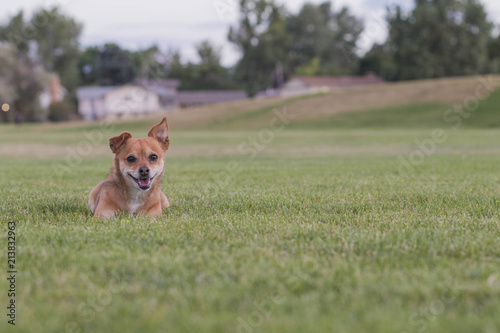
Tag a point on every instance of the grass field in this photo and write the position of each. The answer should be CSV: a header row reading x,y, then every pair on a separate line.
x,y
320,225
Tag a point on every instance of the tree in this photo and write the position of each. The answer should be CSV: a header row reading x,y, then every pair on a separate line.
x,y
115,66
48,42
205,74
378,60
262,38
87,66
21,82
175,66
438,38
8,93
494,54
151,63
324,40
209,73
56,36
111,65
16,33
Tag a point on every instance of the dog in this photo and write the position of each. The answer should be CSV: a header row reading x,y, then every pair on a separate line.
x,y
134,182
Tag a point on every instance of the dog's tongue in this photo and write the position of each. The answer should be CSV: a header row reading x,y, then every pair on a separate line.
x,y
144,182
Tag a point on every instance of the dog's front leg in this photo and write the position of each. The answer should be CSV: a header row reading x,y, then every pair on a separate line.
x,y
164,201
154,211
105,210
105,214
94,197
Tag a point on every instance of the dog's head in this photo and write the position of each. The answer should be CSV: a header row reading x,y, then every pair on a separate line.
x,y
140,161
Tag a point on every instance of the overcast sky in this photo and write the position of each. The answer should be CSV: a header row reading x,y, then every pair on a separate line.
x,y
180,24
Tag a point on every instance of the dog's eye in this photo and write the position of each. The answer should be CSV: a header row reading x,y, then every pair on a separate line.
x,y
131,159
153,158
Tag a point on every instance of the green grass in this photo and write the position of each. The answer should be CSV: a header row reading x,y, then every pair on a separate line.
x,y
402,116
320,232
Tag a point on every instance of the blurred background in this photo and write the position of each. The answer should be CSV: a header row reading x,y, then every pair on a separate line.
x,y
68,60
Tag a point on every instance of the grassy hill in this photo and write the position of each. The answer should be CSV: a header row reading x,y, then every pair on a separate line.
x,y
351,218
407,105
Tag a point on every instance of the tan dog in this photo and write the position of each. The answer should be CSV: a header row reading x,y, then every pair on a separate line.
x,y
134,183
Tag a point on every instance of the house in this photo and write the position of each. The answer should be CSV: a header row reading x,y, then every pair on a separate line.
x,y
313,84
165,88
144,96
116,102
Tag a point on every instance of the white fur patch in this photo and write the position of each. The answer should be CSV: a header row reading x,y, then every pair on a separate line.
x,y
136,199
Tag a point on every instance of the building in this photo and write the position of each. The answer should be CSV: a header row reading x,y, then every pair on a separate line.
x,y
313,84
165,88
144,97
116,102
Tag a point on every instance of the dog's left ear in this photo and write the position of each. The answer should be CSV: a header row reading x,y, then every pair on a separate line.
x,y
160,133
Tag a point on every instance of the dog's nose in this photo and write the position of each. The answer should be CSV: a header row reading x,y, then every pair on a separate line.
x,y
144,171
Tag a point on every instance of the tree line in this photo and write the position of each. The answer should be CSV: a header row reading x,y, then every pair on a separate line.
x,y
437,38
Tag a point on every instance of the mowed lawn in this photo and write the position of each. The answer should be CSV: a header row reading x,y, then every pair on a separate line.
x,y
312,228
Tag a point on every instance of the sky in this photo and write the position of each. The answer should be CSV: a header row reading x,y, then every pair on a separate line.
x,y
180,25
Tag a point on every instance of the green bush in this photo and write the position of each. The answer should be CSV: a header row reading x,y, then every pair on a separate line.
x,y
60,111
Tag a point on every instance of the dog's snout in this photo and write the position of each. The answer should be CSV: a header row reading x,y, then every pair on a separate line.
x,y
144,171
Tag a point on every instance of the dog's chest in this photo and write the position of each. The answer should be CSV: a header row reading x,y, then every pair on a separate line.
x,y
134,205
136,200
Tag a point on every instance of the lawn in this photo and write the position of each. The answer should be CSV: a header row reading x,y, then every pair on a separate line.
x,y
323,228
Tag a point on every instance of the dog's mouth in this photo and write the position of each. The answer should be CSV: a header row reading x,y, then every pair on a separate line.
x,y
143,183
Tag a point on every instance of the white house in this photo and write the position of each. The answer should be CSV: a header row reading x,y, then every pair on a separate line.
x,y
116,102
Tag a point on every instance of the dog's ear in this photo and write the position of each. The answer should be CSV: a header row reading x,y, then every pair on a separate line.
x,y
160,133
118,141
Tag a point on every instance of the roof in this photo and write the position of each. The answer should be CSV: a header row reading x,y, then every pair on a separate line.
x,y
161,87
339,81
162,91
94,92
166,83
207,96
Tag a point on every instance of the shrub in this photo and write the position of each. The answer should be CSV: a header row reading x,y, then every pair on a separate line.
x,y
60,111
